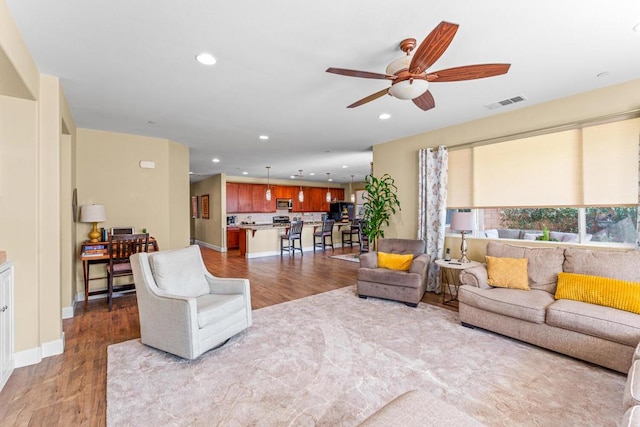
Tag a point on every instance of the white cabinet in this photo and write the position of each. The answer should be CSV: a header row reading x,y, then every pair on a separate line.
x,y
6,322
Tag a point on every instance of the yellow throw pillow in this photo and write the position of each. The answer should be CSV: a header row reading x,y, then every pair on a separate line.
x,y
394,261
508,272
604,291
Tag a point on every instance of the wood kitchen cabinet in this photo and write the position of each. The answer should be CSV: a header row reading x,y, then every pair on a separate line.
x,y
283,191
245,196
232,197
250,198
233,238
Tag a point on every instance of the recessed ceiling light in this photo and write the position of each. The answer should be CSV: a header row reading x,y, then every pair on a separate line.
x,y
215,160
292,177
344,166
151,122
330,179
190,173
636,27
384,116
603,74
264,137
245,173
205,59
312,173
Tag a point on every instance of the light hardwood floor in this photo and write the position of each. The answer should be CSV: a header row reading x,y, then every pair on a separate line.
x,y
70,389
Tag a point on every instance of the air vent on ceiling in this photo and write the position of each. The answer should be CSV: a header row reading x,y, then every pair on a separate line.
x,y
506,102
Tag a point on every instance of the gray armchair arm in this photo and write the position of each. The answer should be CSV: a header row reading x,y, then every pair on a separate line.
x,y
420,264
369,260
475,276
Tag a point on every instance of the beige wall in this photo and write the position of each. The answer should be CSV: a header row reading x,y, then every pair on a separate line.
x,y
109,174
19,227
399,158
211,231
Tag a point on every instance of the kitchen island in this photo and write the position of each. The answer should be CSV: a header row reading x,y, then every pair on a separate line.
x,y
259,240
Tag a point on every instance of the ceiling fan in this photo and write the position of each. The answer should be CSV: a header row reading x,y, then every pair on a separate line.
x,y
409,79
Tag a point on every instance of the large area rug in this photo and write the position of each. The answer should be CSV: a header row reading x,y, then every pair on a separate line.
x,y
333,359
347,257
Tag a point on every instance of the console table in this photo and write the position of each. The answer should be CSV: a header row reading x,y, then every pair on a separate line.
x,y
89,258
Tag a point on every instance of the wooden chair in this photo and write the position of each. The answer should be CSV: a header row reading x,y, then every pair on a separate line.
x,y
292,234
364,239
121,247
349,232
325,232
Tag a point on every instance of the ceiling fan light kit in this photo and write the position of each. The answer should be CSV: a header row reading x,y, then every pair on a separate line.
x,y
409,79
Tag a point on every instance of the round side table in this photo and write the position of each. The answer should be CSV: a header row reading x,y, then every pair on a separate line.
x,y
450,276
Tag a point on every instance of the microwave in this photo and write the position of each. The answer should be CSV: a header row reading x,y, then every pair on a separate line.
x,y
284,204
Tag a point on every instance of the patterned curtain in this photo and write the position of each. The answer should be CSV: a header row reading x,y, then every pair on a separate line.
x,y
432,207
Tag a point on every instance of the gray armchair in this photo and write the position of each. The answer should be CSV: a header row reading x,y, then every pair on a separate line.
x,y
183,309
405,286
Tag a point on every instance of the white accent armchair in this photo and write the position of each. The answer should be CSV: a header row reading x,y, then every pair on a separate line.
x,y
183,309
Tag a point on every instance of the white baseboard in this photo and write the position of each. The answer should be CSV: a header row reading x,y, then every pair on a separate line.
x,y
210,246
67,312
35,355
80,296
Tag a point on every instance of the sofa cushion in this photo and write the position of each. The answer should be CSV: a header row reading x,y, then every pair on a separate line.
x,y
179,272
631,395
544,263
212,308
621,265
506,233
631,417
390,277
400,262
507,272
605,291
530,306
402,246
595,320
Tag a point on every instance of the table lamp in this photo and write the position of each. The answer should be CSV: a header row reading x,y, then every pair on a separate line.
x,y
94,214
462,222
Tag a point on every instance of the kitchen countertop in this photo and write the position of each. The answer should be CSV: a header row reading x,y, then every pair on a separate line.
x,y
269,226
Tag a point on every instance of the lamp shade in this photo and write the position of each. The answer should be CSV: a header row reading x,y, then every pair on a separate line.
x,y
93,213
462,221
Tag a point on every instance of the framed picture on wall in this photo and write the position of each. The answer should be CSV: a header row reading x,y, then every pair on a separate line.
x,y
204,200
194,207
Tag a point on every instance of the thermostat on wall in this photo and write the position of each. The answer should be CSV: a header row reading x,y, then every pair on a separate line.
x,y
146,164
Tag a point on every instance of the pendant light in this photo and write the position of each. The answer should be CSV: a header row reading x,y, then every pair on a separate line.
x,y
267,195
353,193
328,197
300,193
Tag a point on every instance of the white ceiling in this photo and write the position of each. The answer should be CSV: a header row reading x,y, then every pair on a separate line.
x,y
128,66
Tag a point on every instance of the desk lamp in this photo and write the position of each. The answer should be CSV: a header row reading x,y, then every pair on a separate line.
x,y
93,214
462,222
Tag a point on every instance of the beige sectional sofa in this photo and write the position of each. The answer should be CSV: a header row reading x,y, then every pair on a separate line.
x,y
595,333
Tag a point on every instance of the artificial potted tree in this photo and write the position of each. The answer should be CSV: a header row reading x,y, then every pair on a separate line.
x,y
380,202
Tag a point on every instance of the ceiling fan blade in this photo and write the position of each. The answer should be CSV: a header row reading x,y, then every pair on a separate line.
x,y
468,72
432,47
425,101
369,98
363,74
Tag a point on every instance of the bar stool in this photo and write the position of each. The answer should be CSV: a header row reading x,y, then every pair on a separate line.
x,y
292,234
349,232
325,232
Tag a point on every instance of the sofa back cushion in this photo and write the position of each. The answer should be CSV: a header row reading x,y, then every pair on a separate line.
x,y
179,272
402,246
622,265
544,264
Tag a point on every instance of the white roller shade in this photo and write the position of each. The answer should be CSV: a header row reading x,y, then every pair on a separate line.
x,y
542,170
610,171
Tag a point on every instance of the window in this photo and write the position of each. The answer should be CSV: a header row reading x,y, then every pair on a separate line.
x,y
615,224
